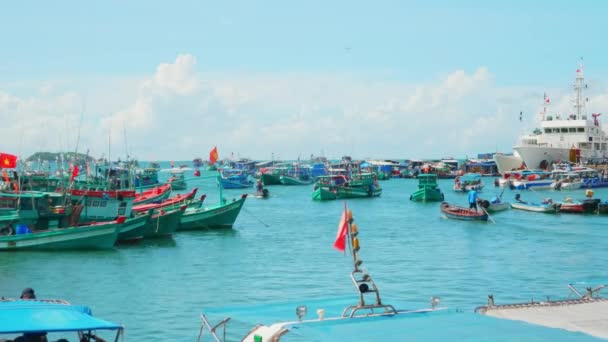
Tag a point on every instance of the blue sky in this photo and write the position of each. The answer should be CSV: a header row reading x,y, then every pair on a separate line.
x,y
351,64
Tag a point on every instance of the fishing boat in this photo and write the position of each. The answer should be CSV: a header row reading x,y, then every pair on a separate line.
x,y
175,201
427,189
39,210
97,235
467,182
300,175
494,205
222,215
155,194
177,179
272,175
52,319
325,188
461,213
360,185
234,179
162,223
547,206
146,177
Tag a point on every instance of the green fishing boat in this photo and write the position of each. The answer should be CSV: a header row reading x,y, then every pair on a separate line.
x,y
220,215
273,175
427,189
133,228
360,185
324,193
92,236
163,223
291,180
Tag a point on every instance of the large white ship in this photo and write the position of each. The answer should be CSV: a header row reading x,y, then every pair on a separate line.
x,y
575,137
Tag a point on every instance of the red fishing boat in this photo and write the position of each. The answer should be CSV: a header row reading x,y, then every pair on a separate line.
x,y
178,199
155,194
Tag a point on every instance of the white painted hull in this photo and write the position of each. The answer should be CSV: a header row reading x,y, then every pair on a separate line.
x,y
506,163
534,156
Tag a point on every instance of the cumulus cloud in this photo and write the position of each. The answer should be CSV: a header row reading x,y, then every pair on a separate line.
x,y
177,112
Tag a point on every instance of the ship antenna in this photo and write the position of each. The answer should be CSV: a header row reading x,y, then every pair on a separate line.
x,y
579,85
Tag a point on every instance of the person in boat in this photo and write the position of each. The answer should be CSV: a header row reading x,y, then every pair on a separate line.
x,y
496,182
259,187
473,199
518,198
28,293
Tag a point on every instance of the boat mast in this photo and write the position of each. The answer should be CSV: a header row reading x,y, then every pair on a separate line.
x,y
579,85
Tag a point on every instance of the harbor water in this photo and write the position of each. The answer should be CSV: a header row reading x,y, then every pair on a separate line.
x,y
280,249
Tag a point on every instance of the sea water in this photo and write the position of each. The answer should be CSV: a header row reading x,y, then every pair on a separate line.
x,y
281,250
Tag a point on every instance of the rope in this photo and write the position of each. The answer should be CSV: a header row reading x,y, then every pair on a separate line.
x,y
255,217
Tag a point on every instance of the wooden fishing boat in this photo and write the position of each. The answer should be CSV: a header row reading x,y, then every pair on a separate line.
x,y
272,175
293,180
467,182
155,194
536,207
177,200
97,235
220,215
133,229
163,223
571,207
40,210
235,179
326,187
427,189
461,213
361,185
178,180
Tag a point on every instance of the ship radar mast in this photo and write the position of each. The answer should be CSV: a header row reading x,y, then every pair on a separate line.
x,y
579,99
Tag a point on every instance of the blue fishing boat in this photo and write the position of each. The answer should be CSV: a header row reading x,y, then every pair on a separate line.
x,y
38,318
234,179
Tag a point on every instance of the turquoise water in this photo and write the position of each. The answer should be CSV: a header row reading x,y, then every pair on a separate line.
x,y
281,249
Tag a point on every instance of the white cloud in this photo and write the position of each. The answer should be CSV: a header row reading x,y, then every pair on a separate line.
x,y
178,113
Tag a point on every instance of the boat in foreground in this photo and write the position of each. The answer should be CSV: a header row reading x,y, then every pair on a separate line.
x,y
545,207
372,319
39,318
461,213
96,235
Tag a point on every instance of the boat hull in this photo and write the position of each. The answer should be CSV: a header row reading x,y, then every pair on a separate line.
x,y
97,236
271,179
323,194
505,163
537,157
288,180
357,192
219,216
461,213
163,223
496,207
427,194
537,208
133,228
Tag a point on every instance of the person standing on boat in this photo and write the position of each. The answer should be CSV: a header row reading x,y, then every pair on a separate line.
x,y
473,199
259,187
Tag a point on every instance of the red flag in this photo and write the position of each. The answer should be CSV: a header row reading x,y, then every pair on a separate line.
x,y
8,161
340,243
213,156
74,173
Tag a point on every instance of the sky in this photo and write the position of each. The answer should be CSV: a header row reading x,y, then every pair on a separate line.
x,y
285,80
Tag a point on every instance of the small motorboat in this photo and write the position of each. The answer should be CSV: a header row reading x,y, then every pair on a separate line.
x,y
494,205
547,206
461,213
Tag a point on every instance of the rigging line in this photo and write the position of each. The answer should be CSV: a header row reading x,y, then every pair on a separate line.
x,y
255,217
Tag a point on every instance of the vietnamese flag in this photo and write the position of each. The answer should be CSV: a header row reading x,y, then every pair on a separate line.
x,y
340,243
213,156
8,161
74,173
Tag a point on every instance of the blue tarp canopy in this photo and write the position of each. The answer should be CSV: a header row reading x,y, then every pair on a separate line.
x,y
26,316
